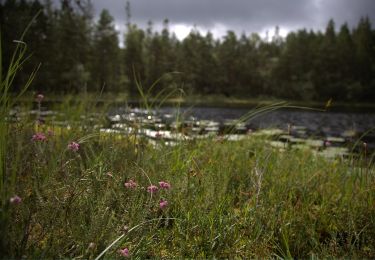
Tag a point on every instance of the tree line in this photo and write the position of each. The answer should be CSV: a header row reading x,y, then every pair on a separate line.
x,y
78,54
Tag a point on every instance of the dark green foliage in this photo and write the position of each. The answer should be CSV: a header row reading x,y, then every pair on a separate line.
x,y
106,55
198,64
78,54
134,57
160,56
72,57
14,18
255,202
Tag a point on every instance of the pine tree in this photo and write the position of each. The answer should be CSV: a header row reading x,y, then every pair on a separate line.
x,y
106,54
74,44
365,57
134,58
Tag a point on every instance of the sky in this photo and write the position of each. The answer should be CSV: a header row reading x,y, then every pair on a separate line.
x,y
241,16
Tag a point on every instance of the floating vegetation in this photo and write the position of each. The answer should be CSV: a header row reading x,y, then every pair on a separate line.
x,y
170,129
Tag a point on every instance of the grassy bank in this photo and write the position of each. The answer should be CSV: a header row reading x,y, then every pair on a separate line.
x,y
67,198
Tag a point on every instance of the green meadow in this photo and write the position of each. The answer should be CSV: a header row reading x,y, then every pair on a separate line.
x,y
71,191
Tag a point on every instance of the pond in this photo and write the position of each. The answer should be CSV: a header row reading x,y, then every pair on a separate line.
x,y
338,129
316,122
328,133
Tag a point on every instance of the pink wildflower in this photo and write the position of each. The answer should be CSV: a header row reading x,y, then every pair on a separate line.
x,y
131,184
39,137
152,189
124,252
164,185
163,204
327,143
15,200
73,146
39,98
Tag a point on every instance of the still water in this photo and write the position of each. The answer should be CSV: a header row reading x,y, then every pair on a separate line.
x,y
316,122
293,126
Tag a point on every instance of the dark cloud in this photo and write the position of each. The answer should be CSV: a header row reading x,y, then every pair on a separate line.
x,y
242,15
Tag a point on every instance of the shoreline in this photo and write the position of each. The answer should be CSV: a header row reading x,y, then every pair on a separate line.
x,y
202,101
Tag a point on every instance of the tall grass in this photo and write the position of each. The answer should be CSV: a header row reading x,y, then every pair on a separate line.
x,y
7,76
228,199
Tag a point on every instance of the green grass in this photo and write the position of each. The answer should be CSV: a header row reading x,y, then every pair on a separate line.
x,y
8,177
228,199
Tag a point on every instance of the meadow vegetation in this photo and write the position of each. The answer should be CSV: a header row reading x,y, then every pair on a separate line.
x,y
70,192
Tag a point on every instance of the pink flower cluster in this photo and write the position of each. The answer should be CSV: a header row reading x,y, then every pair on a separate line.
x,y
124,252
163,204
73,146
39,137
164,185
15,199
152,189
131,184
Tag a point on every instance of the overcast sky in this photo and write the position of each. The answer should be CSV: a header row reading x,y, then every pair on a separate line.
x,y
241,16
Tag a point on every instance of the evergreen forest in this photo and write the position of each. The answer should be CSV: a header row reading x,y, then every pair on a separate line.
x,y
78,52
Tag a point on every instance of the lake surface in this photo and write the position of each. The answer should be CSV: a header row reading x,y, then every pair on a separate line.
x,y
298,122
322,123
330,133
